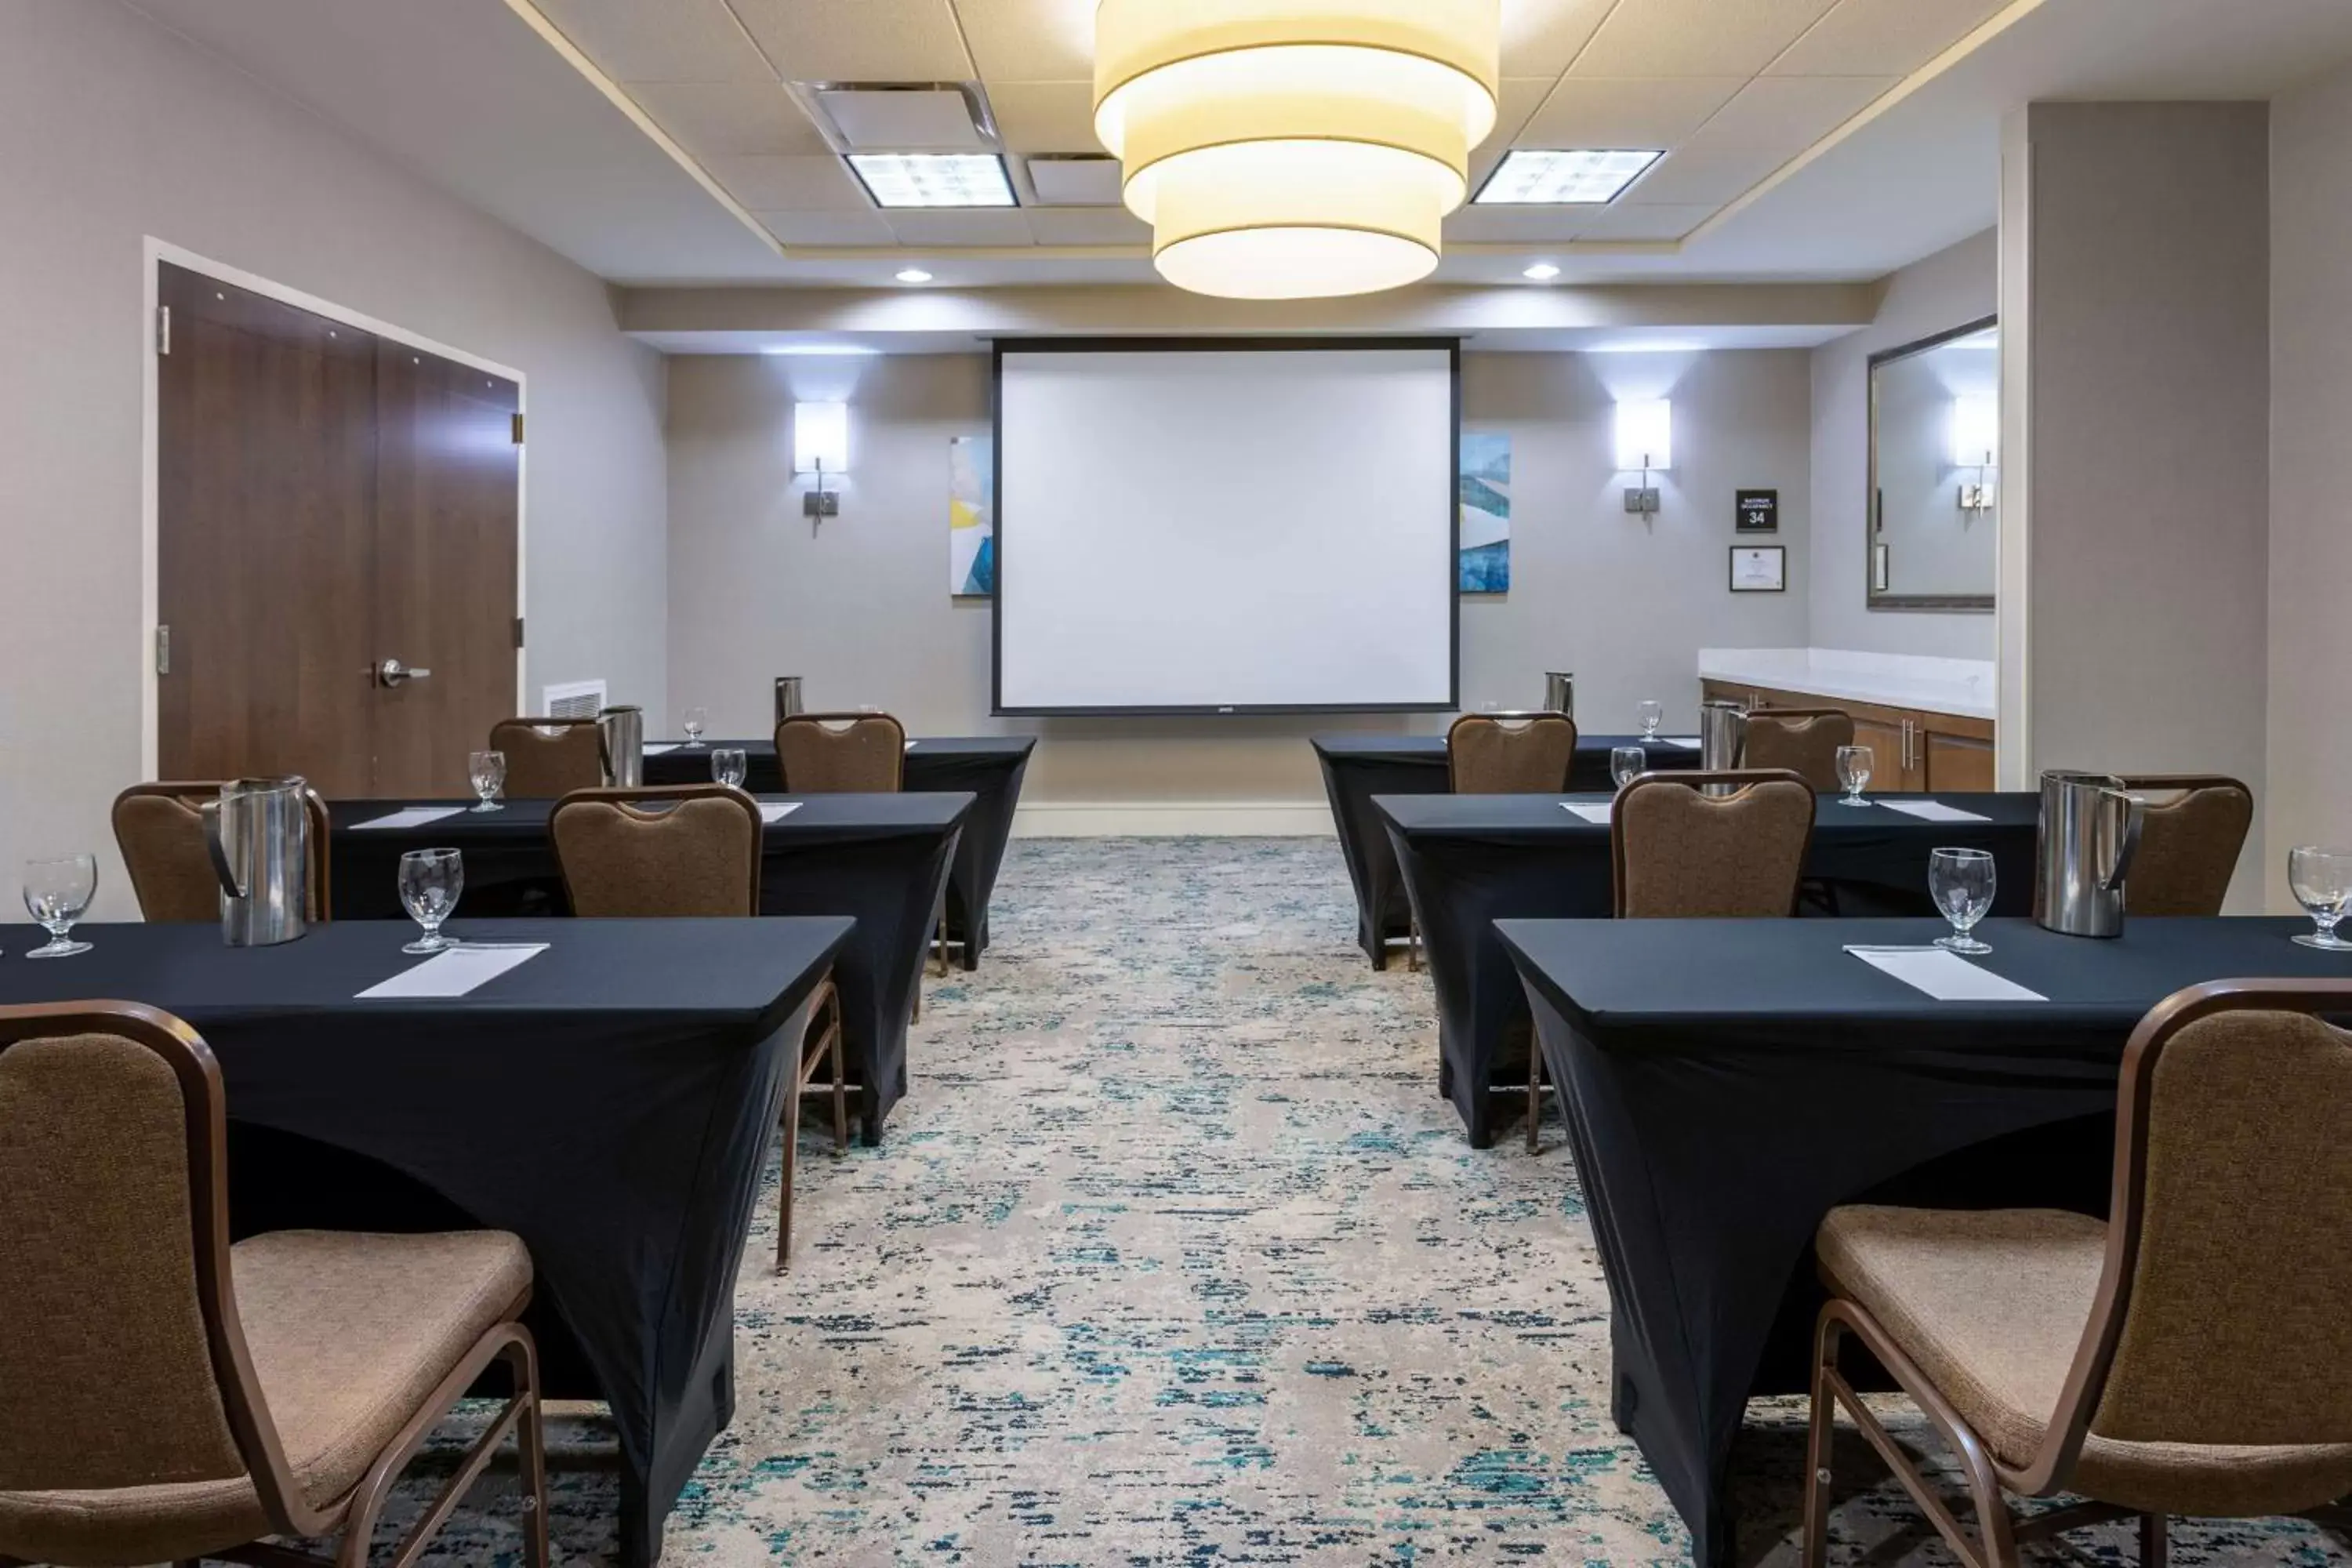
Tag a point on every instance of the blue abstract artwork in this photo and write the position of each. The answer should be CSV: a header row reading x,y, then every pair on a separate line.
x,y
971,517
1486,511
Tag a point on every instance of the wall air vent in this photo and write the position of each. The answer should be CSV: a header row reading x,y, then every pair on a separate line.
x,y
574,700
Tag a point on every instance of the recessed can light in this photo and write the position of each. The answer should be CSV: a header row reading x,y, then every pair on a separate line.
x,y
914,275
1542,272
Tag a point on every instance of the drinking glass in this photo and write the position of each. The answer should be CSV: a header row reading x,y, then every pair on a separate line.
x,y
697,720
489,771
1654,713
1854,772
430,881
1627,763
727,766
2321,879
1961,881
55,893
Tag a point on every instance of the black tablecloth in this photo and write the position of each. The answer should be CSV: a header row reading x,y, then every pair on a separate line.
x,y
1468,860
878,859
1729,1082
610,1100
987,767
1358,767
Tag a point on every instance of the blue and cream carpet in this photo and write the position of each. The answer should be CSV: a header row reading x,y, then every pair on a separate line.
x,y
1174,1255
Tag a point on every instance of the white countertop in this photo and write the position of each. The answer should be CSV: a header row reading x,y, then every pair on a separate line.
x,y
1959,686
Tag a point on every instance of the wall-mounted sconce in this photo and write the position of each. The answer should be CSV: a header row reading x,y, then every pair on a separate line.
x,y
821,443
1975,443
1645,432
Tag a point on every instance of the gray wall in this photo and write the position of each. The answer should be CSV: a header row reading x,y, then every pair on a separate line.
x,y
1947,289
860,606
116,129
2310,754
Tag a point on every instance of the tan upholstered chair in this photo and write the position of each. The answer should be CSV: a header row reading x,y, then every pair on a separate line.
x,y
835,754
549,758
692,851
172,1397
2191,1355
1804,741
2195,826
1679,853
1510,754
159,828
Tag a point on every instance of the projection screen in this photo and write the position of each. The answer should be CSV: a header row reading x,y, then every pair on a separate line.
x,y
1226,527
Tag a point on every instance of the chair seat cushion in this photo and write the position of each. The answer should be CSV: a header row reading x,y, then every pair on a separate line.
x,y
348,1334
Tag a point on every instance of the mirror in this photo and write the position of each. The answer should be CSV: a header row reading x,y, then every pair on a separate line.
x,y
1935,471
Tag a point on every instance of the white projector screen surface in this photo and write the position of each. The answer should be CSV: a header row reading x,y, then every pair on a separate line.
x,y
1220,529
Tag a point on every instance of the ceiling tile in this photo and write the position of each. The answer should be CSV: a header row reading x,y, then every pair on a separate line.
x,y
1882,37
1619,221
1045,117
1088,225
1540,36
1696,38
1623,111
931,226
858,40
1520,98
1515,225
1771,121
729,120
790,185
1030,40
679,40
827,228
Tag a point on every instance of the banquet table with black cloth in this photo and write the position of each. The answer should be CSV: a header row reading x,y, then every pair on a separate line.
x,y
1358,767
610,1100
1468,860
1729,1082
880,859
987,767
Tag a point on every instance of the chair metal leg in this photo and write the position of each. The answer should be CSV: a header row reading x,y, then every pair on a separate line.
x,y
784,1190
1821,1442
1412,945
840,1085
1534,1099
2155,1546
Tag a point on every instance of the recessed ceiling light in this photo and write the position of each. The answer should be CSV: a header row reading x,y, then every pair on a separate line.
x,y
914,275
1542,272
1558,179
933,179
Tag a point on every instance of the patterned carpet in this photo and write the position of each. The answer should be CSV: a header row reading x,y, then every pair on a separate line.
x,y
1173,1255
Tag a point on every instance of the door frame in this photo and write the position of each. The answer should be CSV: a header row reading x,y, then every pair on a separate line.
x,y
156,253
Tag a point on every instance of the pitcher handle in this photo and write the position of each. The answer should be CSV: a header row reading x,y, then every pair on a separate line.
x,y
221,869
2136,816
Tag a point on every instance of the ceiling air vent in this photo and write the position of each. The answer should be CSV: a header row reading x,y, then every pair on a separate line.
x,y
1075,179
901,117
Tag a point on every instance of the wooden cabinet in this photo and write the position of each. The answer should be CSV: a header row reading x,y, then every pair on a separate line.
x,y
1911,749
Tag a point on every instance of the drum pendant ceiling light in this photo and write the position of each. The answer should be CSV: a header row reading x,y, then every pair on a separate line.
x,y
1294,149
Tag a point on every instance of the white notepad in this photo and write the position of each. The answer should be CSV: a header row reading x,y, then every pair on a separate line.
x,y
455,971
777,810
410,816
1944,974
1688,742
912,744
1932,811
1597,815
658,747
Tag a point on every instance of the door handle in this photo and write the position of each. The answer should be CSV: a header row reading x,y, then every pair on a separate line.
x,y
391,672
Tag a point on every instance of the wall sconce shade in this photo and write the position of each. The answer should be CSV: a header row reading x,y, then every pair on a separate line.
x,y
820,439
1645,429
1976,432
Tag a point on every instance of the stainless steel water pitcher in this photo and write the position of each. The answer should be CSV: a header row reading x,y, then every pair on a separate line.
x,y
2090,831
788,697
259,832
621,736
1722,738
1559,692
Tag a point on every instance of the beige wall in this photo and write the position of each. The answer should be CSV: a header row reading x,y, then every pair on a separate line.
x,y
116,129
860,607
1947,289
2310,755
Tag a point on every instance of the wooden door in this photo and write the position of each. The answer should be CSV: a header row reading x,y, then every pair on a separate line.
x,y
446,503
1885,743
265,471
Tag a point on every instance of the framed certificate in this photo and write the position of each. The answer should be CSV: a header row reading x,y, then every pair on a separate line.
x,y
1760,568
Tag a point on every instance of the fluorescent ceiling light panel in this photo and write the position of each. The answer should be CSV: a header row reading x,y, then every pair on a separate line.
x,y
933,179
1531,178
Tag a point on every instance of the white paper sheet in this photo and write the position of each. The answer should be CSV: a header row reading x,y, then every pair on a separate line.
x,y
1688,742
659,747
454,971
1932,811
410,816
777,810
1597,815
912,744
1945,975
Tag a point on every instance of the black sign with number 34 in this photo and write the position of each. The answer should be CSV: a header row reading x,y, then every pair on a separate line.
x,y
1759,512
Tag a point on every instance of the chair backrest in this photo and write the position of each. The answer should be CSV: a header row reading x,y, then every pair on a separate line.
x,y
159,828
124,1360
1510,754
835,754
1804,741
2189,843
2221,1317
662,850
1680,853
549,758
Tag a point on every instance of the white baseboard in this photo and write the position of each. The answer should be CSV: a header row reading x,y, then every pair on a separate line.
x,y
1172,819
